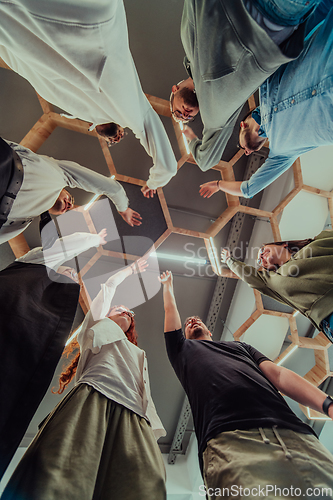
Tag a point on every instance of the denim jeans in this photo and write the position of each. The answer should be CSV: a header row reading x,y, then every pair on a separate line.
x,y
327,327
285,12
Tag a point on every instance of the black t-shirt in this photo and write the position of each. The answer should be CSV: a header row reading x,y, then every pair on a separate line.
x,y
226,388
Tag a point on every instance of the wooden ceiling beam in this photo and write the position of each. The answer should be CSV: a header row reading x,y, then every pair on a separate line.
x,y
130,180
107,156
317,191
158,242
275,228
258,299
90,263
257,212
161,106
190,232
36,136
246,325
227,174
165,208
222,220
72,124
320,342
45,105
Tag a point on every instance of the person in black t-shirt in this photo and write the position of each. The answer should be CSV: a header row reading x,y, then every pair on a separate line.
x,y
248,437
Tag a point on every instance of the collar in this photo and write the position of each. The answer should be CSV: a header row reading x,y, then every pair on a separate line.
x,y
257,117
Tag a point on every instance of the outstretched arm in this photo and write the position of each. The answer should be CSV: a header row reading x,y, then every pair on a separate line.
x,y
84,178
231,187
263,177
247,273
172,319
208,151
156,142
260,280
294,386
273,167
64,249
93,182
101,304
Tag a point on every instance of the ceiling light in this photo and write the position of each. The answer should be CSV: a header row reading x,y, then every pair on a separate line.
x,y
88,205
287,355
216,261
181,125
181,258
74,334
311,417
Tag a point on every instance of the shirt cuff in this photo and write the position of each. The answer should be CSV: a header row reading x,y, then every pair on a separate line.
x,y
151,184
121,201
95,240
244,187
192,143
229,261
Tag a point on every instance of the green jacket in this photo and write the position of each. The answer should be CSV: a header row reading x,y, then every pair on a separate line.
x,y
304,283
228,56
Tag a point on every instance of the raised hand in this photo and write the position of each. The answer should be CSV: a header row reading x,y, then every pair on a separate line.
x,y
166,278
102,234
132,218
225,254
69,272
189,134
147,192
139,265
209,188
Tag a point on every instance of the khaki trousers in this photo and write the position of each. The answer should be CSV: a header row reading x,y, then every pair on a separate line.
x,y
267,463
90,448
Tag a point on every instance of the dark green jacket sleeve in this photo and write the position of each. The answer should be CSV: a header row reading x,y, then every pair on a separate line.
x,y
254,278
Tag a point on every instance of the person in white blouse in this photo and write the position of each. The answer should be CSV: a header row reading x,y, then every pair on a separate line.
x,y
43,186
77,56
39,303
100,440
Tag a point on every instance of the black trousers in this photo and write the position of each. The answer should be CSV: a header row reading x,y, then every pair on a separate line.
x,y
36,316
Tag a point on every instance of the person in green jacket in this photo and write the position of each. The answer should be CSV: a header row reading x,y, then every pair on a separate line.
x,y
296,273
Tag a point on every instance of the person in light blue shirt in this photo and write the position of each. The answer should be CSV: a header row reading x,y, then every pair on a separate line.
x,y
295,113
231,47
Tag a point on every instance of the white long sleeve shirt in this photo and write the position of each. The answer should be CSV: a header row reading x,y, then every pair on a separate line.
x,y
43,180
111,364
76,55
62,250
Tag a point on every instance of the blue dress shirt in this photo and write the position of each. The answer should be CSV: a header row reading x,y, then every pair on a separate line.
x,y
296,108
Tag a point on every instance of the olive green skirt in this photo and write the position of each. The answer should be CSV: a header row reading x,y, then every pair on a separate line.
x,y
90,448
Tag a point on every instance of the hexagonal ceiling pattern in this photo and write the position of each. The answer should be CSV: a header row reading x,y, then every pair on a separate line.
x,y
305,198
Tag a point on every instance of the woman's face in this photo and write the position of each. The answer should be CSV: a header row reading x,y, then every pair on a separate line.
x,y
122,316
270,256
